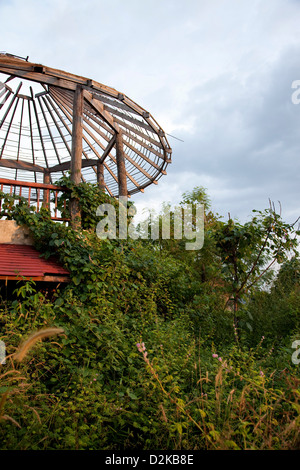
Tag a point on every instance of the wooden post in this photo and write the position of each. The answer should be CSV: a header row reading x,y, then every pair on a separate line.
x,y
46,197
76,154
100,176
121,165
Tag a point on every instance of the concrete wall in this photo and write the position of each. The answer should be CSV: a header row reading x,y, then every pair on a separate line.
x,y
12,233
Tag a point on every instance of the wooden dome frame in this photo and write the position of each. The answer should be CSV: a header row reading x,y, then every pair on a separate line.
x,y
72,123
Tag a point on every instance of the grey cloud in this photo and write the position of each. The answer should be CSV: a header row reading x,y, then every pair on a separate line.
x,y
216,75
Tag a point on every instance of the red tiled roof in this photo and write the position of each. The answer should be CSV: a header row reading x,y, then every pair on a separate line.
x,y
26,261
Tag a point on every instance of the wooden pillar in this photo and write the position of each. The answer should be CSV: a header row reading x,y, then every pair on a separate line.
x,y
76,154
46,197
121,165
100,176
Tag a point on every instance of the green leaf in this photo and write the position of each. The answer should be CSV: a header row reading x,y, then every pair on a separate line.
x,y
59,302
202,413
77,280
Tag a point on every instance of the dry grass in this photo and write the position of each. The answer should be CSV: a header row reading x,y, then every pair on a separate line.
x,y
24,348
10,377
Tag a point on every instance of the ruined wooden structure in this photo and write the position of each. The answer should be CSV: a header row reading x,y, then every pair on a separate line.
x,y
53,122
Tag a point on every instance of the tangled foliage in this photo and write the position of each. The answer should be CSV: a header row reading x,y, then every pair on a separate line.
x,y
148,355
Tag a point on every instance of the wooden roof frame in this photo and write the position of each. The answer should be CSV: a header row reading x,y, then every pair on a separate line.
x,y
124,139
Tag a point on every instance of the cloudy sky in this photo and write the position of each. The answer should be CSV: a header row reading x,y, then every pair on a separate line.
x,y
216,75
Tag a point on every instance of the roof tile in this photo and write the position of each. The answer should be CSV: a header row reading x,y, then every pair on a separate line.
x,y
25,260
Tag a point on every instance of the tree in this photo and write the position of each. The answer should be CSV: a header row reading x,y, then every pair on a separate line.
x,y
249,250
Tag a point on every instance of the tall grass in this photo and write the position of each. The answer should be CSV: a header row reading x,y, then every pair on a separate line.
x,y
232,406
13,381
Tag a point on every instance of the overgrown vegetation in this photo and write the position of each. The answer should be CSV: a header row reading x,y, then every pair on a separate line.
x,y
157,347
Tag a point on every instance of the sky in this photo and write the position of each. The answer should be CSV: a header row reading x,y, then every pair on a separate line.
x,y
217,76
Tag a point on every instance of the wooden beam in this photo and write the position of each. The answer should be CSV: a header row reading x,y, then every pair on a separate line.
x,y
114,102
100,176
109,147
21,165
40,78
76,159
49,105
49,129
48,278
139,167
99,107
39,127
121,165
9,127
31,137
56,107
67,165
144,157
144,144
43,74
64,107
127,173
10,104
45,278
28,184
46,196
131,119
84,162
